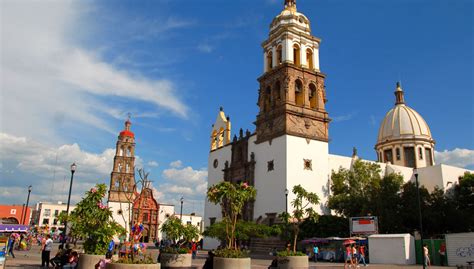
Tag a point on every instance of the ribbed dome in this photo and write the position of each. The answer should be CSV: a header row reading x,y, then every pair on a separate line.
x,y
403,122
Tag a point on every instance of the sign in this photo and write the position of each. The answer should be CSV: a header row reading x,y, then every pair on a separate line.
x,y
364,225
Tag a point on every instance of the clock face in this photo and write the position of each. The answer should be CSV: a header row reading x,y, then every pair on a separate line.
x,y
216,163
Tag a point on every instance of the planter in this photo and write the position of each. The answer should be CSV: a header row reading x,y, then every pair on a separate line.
x,y
169,260
87,261
132,266
293,262
229,263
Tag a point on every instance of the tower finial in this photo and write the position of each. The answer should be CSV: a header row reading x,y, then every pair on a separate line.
x,y
290,4
400,99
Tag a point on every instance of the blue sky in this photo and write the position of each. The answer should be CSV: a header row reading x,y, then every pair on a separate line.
x,y
72,70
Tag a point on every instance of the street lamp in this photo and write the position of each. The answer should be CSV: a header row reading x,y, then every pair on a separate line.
x,y
23,219
286,200
415,172
181,212
73,169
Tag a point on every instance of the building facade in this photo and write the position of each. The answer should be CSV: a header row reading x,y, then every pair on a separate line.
x,y
15,214
145,211
46,215
290,145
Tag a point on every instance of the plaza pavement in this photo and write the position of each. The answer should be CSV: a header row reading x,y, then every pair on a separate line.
x,y
32,259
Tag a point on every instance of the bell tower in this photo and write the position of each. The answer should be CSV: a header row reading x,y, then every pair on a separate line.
x,y
122,179
292,95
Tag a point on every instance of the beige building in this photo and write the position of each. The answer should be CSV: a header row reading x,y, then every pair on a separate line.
x,y
46,215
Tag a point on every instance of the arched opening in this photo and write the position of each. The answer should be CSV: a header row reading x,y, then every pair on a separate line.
x,y
296,54
277,92
269,60
309,58
120,153
313,97
279,55
120,167
129,151
127,168
220,140
299,95
268,98
214,140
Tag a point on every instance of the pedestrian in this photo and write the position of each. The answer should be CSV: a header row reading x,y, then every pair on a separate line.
x,y
442,253
426,255
362,255
56,260
46,251
103,262
11,245
348,261
315,253
194,249
355,260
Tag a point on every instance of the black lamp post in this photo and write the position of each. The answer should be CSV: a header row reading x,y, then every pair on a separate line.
x,y
420,215
73,169
286,200
181,212
23,219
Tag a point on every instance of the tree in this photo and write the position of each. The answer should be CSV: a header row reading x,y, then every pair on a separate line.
x,y
173,228
325,226
232,198
387,203
93,221
353,189
302,209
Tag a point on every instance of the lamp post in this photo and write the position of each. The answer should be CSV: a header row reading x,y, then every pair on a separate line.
x,y
73,169
181,212
415,172
23,219
286,200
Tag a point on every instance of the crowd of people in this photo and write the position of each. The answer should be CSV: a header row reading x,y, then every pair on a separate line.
x,y
354,255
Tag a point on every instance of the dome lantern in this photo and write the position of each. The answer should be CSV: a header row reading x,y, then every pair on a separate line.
x,y
404,137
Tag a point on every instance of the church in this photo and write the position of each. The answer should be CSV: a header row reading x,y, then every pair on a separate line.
x,y
290,144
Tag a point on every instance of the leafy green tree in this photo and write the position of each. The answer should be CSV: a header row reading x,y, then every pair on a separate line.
x,y
409,213
353,190
93,221
302,209
173,228
232,198
387,203
325,226
190,233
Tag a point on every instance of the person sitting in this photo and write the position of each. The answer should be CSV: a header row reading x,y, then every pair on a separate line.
x,y
209,263
56,261
108,259
72,260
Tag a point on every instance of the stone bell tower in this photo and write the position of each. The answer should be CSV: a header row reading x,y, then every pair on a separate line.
x,y
292,94
122,179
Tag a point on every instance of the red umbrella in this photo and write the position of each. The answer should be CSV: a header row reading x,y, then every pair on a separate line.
x,y
349,242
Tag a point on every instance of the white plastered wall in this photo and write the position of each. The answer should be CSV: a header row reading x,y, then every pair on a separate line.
x,y
124,218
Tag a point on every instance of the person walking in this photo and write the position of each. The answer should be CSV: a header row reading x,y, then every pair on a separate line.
x,y
348,261
46,251
194,249
362,255
315,253
11,245
442,253
426,255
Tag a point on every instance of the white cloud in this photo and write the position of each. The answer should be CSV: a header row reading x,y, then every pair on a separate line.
x,y
152,164
176,164
50,84
456,157
27,162
343,117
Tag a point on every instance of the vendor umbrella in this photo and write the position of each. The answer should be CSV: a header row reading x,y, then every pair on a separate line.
x,y
349,242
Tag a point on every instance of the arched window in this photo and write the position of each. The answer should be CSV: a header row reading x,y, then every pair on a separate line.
x,y
277,92
268,98
279,55
214,140
299,95
269,60
127,168
120,153
296,55
309,58
129,152
220,135
120,167
313,96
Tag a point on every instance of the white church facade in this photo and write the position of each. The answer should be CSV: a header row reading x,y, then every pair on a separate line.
x,y
290,145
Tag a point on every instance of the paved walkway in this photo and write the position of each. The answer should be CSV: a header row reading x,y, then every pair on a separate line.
x,y
32,259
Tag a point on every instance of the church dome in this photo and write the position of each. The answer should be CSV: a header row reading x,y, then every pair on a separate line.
x,y
404,137
403,122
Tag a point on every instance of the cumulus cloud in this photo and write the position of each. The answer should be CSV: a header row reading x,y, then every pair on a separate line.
x,y
183,181
49,82
152,164
456,157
